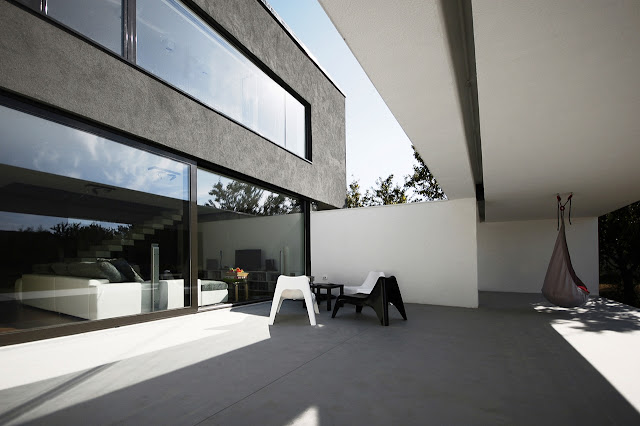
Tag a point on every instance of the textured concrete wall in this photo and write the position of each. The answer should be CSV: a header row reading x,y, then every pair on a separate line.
x,y
54,67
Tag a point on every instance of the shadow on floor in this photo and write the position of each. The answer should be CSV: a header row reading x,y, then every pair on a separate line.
x,y
443,366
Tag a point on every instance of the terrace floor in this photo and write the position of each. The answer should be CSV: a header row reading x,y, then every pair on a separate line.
x,y
514,360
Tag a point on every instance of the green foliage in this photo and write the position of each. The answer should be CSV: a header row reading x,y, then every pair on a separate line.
x,y
93,232
355,198
421,185
387,193
422,182
619,241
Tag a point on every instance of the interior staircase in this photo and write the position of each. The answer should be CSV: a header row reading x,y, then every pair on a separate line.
x,y
138,232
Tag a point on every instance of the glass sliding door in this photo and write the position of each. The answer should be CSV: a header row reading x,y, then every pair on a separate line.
x,y
90,228
247,237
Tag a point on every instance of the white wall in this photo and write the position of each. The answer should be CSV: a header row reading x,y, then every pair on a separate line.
x,y
271,234
429,247
513,256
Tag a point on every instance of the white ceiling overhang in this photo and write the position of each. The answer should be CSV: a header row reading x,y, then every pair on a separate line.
x,y
402,47
558,96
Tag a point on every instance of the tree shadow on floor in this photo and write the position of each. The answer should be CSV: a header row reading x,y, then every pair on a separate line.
x,y
597,315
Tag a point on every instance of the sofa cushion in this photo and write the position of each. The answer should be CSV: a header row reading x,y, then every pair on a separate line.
x,y
60,268
100,269
208,285
42,269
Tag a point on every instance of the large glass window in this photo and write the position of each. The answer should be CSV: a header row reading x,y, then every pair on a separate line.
x,y
89,228
180,48
247,237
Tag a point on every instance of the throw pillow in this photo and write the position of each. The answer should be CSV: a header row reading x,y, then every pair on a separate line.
x,y
128,273
99,269
111,272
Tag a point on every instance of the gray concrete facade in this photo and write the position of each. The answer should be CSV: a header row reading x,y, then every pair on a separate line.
x,y
54,67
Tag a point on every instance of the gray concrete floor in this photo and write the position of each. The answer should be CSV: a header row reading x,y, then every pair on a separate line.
x,y
514,360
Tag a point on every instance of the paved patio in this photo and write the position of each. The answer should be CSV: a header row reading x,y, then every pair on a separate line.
x,y
515,360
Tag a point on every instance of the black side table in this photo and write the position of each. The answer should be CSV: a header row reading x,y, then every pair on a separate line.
x,y
328,287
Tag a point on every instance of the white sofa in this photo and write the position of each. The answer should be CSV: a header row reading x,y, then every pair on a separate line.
x,y
167,294
81,297
214,292
93,298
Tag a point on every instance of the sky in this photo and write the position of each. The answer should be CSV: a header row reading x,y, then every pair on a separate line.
x,y
376,144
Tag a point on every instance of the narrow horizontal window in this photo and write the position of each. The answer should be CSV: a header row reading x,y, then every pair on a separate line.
x,y
99,20
183,50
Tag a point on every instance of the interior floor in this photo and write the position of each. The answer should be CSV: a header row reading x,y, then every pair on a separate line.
x,y
16,316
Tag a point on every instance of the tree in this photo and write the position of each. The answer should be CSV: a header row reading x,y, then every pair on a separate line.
x,y
355,197
422,182
386,193
619,235
276,204
236,196
245,198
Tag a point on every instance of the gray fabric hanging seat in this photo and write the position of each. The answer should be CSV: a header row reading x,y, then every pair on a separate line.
x,y
562,287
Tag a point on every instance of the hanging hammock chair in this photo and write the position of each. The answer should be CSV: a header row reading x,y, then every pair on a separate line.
x,y
562,287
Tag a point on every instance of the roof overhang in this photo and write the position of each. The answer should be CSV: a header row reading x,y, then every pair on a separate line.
x,y
557,95
403,48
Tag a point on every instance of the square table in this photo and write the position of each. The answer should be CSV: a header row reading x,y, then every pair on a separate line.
x,y
237,282
329,288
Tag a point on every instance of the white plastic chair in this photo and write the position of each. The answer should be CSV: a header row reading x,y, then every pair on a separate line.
x,y
367,285
296,288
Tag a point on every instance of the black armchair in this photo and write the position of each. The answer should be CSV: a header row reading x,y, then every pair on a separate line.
x,y
384,292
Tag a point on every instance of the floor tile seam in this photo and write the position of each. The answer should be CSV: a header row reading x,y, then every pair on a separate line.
x,y
283,376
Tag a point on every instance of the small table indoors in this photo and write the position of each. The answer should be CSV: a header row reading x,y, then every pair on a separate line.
x,y
317,287
237,282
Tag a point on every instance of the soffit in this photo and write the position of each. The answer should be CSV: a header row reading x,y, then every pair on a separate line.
x,y
402,46
558,96
559,99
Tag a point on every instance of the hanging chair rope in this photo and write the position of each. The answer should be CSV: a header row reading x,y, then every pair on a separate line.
x,y
561,208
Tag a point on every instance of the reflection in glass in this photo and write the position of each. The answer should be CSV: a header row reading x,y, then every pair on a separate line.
x,y
100,20
79,215
45,146
295,125
180,48
243,226
33,4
